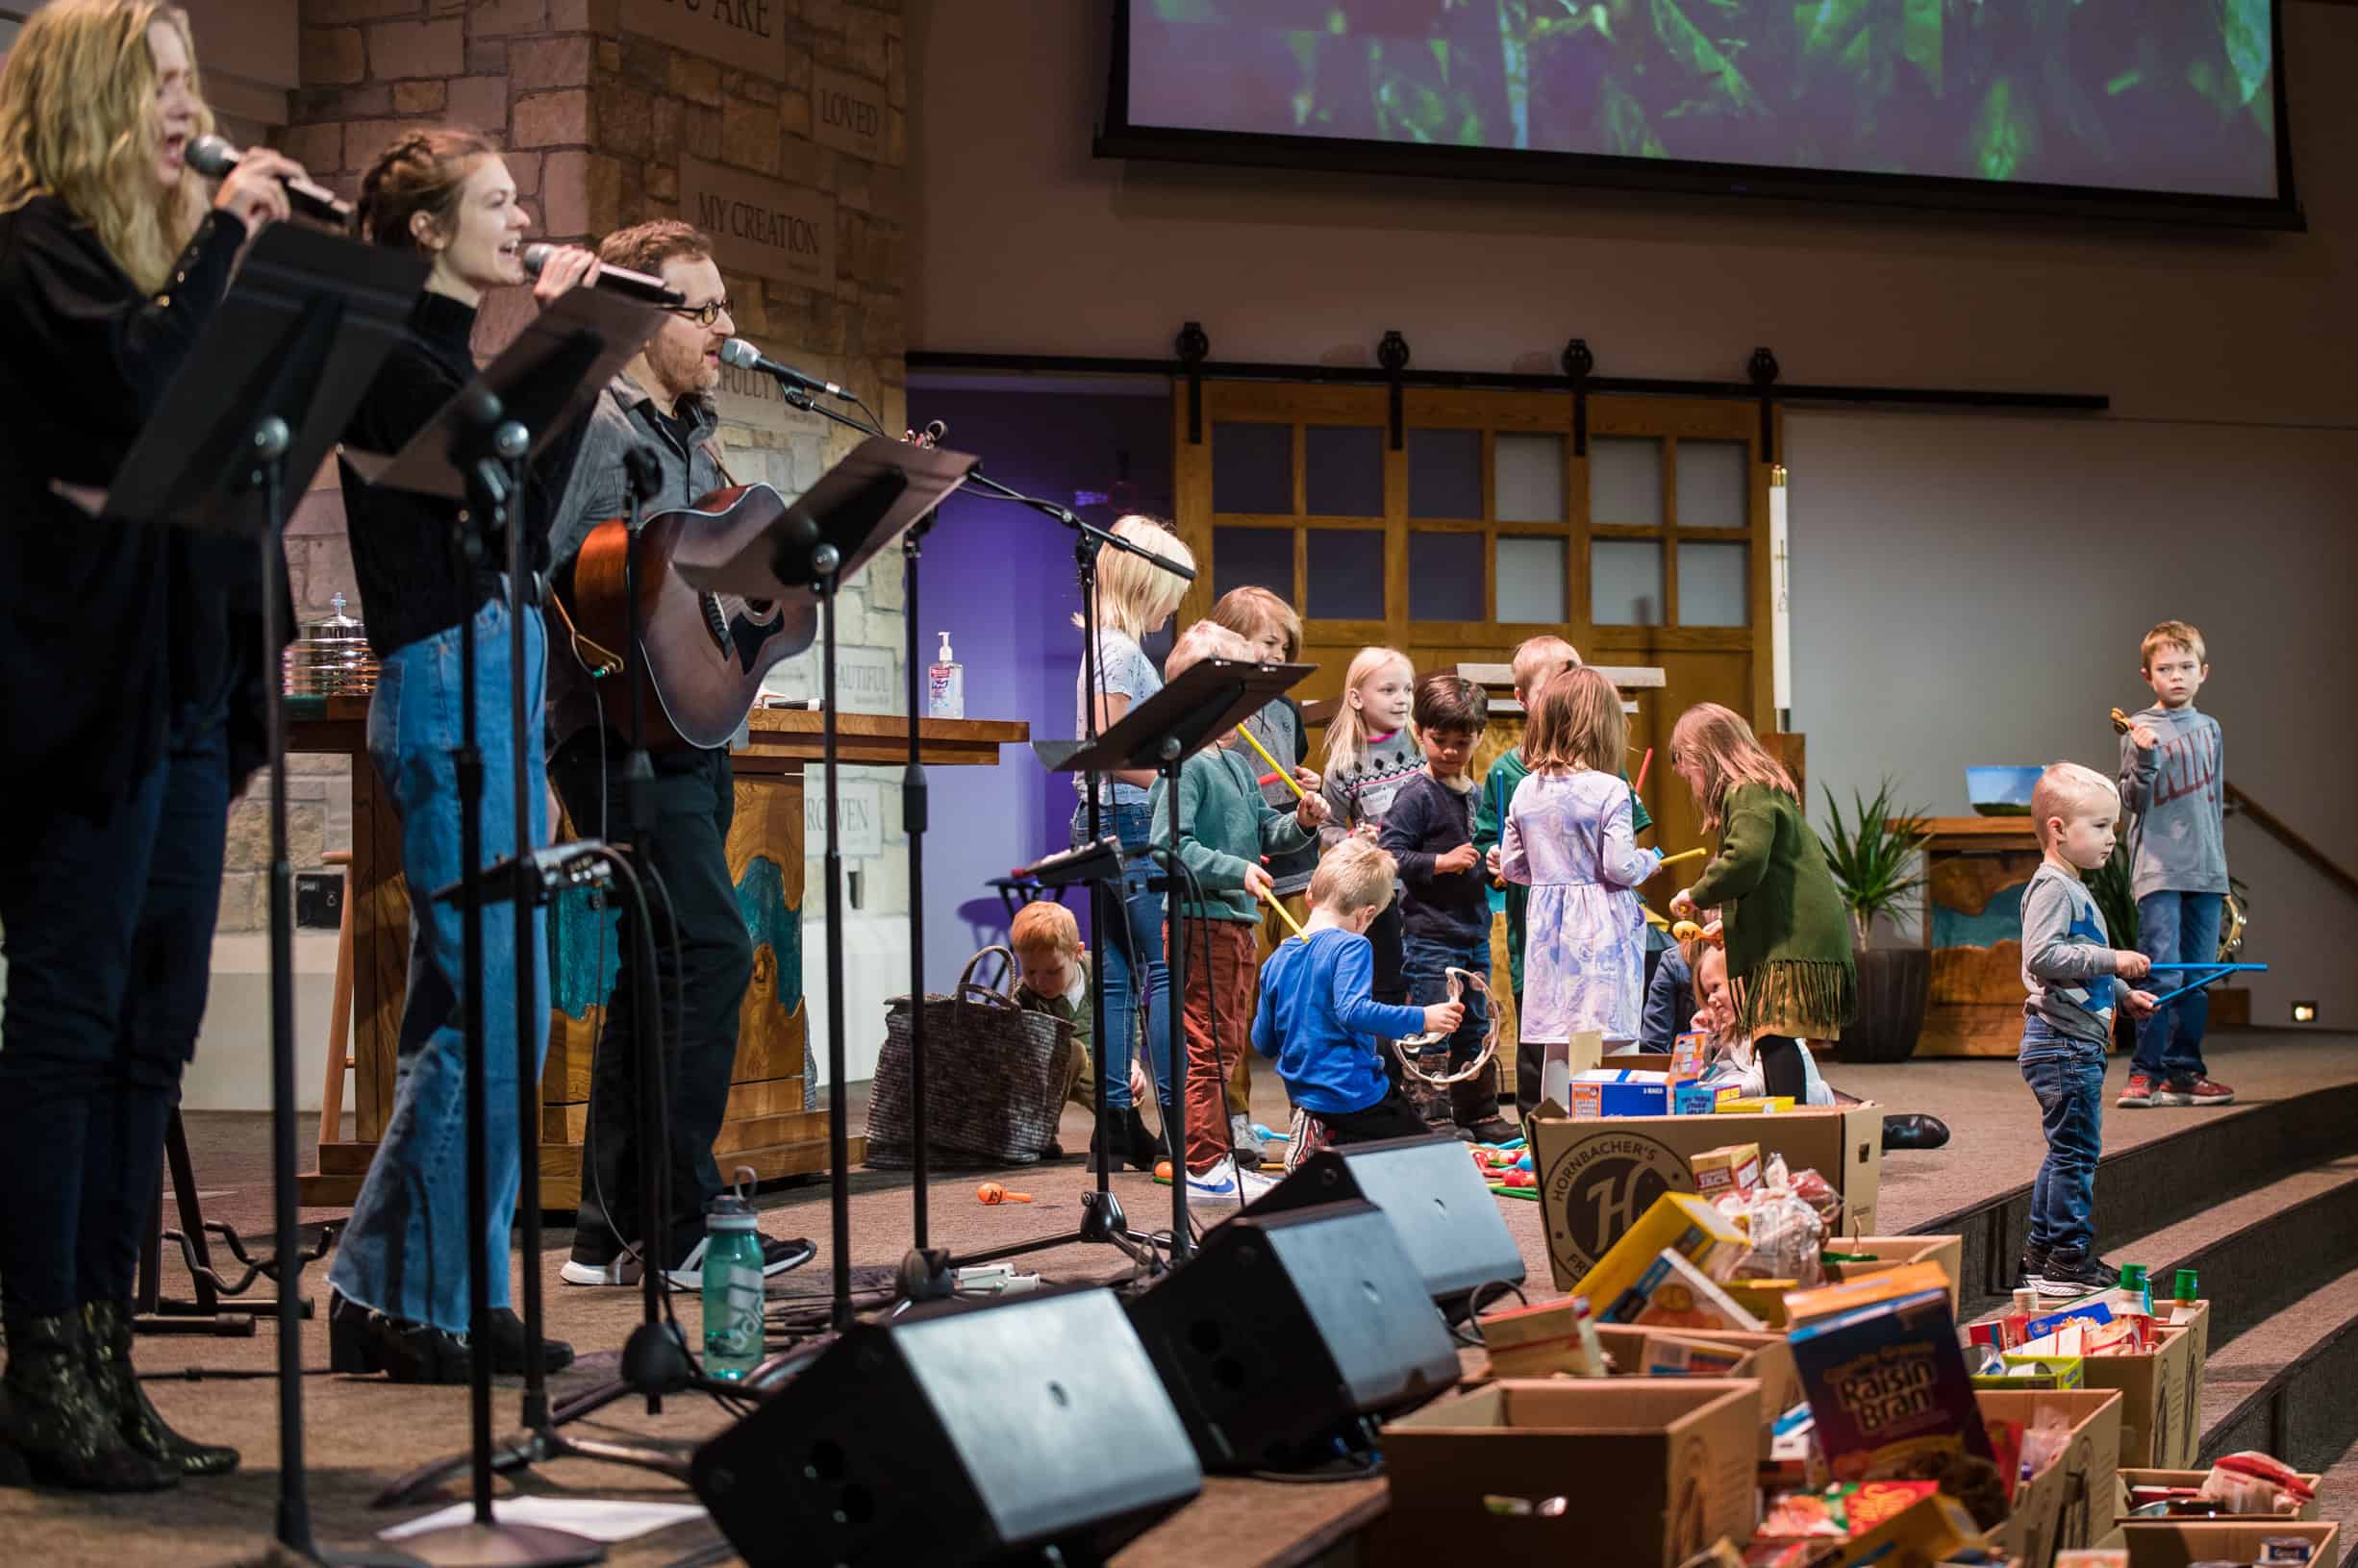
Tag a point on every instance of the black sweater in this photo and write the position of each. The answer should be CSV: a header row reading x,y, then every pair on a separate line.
x,y
410,584
1427,820
106,625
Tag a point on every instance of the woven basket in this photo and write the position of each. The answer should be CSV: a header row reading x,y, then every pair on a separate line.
x,y
994,1077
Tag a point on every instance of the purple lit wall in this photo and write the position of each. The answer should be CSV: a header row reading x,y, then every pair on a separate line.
x,y
999,579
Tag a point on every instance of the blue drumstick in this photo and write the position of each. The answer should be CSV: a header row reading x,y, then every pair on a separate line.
x,y
2222,968
2195,986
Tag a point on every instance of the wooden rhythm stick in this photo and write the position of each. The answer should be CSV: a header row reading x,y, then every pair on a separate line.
x,y
1270,898
1639,786
1683,855
1254,741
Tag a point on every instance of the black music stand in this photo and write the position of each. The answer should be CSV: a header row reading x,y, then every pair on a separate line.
x,y
264,394
1207,701
529,402
857,507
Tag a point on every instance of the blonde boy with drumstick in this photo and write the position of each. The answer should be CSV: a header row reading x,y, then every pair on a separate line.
x,y
1225,827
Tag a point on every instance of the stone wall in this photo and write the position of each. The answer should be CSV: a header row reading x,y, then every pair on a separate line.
x,y
788,136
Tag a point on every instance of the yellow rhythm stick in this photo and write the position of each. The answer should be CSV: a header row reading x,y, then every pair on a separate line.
x,y
1283,913
1281,773
1683,855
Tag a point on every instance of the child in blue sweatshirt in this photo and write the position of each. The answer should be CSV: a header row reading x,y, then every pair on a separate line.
x,y
1319,1020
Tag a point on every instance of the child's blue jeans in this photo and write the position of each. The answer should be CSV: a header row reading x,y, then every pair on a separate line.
x,y
1427,969
2173,928
2068,1075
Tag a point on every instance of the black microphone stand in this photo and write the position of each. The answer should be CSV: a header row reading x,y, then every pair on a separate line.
x,y
656,1360
1101,1215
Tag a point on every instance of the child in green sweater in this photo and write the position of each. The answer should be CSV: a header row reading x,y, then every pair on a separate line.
x,y
1225,827
1537,662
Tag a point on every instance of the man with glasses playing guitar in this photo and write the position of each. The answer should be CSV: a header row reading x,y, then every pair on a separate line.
x,y
705,656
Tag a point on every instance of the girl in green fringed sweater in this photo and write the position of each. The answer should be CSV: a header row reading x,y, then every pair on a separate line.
x,y
1788,954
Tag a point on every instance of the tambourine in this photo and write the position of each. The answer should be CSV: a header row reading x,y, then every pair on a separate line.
x,y
1460,979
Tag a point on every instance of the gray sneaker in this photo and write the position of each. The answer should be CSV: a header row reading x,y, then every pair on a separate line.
x,y
1250,1153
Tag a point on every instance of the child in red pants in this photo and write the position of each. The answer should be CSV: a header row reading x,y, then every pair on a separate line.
x,y
1224,829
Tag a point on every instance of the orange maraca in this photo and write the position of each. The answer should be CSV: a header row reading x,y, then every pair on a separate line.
x,y
991,1192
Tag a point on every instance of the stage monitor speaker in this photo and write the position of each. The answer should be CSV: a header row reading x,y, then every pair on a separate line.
x,y
1447,1217
1291,1333
957,1435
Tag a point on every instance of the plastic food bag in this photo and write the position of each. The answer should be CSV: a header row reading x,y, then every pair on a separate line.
x,y
2254,1482
2044,1440
1787,1233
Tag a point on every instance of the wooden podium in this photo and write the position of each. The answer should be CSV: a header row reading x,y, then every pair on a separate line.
x,y
770,1124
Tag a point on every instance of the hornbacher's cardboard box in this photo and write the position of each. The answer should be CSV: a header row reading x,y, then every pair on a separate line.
x,y
2132,1476
2154,1543
1595,1178
1766,1358
2161,1391
1626,1471
2070,1502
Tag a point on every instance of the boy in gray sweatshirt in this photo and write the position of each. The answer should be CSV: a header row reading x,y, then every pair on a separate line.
x,y
2075,978
2173,781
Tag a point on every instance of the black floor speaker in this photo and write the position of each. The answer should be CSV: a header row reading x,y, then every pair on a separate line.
x,y
1447,1215
1291,1333
957,1435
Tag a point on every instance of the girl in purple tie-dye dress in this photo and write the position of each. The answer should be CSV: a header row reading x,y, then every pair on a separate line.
x,y
1567,838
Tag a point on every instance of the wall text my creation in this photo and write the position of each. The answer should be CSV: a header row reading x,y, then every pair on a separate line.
x,y
761,226
749,35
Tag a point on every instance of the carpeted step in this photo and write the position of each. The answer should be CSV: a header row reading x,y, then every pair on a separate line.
x,y
2285,1386
2259,1251
2337,1497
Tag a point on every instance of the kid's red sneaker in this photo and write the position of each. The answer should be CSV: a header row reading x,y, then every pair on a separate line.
x,y
2137,1094
2202,1092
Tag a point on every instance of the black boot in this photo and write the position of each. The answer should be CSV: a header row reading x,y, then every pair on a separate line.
x,y
362,1342
62,1432
1140,1147
508,1346
106,1329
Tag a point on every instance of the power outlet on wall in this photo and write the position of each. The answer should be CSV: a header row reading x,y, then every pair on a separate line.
x,y
320,899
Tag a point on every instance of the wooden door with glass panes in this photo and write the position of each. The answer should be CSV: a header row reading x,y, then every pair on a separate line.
x,y
1487,527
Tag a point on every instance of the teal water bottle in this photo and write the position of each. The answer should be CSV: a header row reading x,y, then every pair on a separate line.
x,y
732,1284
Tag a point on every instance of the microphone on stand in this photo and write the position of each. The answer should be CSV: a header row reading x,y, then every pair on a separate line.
x,y
612,279
212,157
743,356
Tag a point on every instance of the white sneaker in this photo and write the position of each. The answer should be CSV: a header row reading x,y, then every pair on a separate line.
x,y
619,1271
1223,1182
777,1256
1249,1152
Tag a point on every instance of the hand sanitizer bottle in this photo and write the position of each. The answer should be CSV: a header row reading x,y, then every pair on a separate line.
x,y
945,686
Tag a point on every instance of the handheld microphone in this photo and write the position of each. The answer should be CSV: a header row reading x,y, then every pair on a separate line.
x,y
212,157
612,279
743,356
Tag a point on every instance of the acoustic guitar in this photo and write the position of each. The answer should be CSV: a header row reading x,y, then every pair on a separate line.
x,y
706,653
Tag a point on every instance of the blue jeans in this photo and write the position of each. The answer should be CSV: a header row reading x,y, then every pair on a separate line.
x,y
109,945
407,1251
2173,928
2068,1075
1133,931
1426,965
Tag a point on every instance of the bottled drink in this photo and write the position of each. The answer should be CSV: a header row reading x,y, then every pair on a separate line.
x,y
732,1285
2134,1278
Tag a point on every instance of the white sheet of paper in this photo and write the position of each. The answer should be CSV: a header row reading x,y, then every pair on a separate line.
x,y
599,1519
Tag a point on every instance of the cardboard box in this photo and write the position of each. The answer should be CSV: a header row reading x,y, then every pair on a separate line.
x,y
1764,1358
1603,1093
1536,1341
1619,1470
2153,1545
1890,1252
1734,1168
1673,1221
1597,1177
2160,1392
2069,1502
2131,1475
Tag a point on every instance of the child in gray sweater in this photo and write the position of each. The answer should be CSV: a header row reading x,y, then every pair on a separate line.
x,y
2075,978
2173,779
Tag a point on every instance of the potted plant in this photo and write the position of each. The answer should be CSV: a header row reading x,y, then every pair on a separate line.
x,y
1876,858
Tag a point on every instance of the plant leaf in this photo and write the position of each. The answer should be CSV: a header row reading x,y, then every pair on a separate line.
x,y
2250,44
1688,47
2005,134
1919,38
